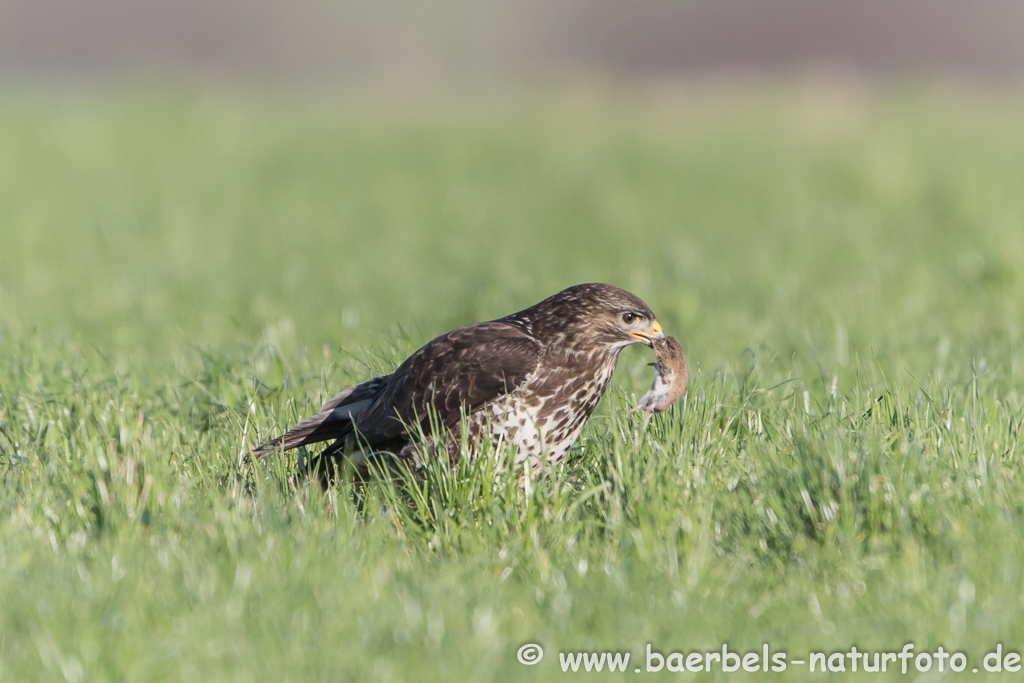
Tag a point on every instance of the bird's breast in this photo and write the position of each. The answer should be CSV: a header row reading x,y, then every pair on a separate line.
x,y
542,418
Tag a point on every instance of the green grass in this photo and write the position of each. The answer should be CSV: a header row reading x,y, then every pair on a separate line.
x,y
183,276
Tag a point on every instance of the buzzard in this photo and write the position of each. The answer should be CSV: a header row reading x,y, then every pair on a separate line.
x,y
528,381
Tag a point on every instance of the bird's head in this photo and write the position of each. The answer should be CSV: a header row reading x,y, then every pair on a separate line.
x,y
626,320
599,314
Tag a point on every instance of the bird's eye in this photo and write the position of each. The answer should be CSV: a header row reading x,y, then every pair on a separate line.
x,y
629,318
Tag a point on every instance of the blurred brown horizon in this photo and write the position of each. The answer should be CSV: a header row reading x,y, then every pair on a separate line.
x,y
452,42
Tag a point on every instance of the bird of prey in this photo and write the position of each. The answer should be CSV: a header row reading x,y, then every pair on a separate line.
x,y
670,376
527,381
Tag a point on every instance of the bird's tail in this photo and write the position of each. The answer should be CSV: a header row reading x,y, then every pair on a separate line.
x,y
334,421
311,430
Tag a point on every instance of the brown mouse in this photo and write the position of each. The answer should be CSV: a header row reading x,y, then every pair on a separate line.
x,y
670,376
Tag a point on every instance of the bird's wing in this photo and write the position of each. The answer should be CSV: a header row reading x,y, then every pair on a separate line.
x,y
455,374
333,421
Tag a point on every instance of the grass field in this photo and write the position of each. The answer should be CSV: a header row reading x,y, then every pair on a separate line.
x,y
183,275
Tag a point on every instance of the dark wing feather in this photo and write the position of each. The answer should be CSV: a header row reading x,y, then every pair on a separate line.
x,y
455,373
332,422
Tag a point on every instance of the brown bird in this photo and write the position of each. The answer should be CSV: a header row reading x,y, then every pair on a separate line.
x,y
529,381
670,376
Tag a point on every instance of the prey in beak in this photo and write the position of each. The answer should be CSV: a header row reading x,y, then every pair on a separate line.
x,y
670,377
648,336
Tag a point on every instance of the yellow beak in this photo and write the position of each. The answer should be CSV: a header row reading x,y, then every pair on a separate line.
x,y
647,338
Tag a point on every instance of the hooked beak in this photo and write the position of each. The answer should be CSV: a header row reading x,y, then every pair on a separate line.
x,y
648,338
